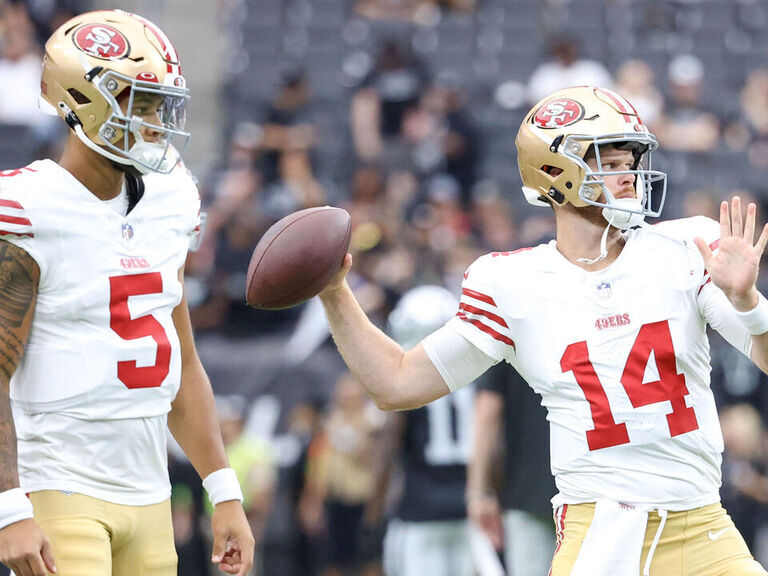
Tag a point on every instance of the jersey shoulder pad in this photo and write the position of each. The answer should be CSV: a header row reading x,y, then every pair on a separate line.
x,y
686,229
502,279
494,266
177,191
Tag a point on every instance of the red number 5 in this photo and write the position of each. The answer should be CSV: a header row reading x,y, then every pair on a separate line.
x,y
652,338
121,287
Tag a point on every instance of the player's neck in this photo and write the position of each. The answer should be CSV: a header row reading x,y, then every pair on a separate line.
x,y
92,170
580,238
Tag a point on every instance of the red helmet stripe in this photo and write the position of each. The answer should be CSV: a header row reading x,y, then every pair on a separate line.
x,y
620,102
169,52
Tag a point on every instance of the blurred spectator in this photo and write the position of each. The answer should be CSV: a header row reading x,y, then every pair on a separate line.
x,y
253,460
236,220
749,131
685,123
745,471
289,136
404,10
191,546
493,218
564,68
378,106
510,484
48,15
447,101
19,69
429,447
340,481
635,81
288,411
416,11
187,509
703,202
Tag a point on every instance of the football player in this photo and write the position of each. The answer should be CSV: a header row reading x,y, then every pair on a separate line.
x,y
428,533
607,322
96,347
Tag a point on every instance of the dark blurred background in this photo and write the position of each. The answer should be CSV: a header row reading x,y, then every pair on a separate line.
x,y
404,112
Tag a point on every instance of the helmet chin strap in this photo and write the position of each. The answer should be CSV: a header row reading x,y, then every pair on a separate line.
x,y
603,248
619,218
98,149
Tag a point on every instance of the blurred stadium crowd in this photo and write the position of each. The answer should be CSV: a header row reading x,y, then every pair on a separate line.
x,y
404,112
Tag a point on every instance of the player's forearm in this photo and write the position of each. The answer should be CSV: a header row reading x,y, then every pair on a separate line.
x,y
394,379
195,425
486,424
9,474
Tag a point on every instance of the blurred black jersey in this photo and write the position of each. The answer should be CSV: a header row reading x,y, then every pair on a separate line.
x,y
527,482
437,441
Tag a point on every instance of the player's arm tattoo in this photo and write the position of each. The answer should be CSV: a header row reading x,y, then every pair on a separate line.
x,y
19,276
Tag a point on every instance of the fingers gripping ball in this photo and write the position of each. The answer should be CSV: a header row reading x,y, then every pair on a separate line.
x,y
297,257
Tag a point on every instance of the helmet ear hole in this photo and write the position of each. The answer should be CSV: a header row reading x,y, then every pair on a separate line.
x,y
551,170
78,96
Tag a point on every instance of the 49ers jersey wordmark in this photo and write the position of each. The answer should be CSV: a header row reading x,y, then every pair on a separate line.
x,y
620,357
103,357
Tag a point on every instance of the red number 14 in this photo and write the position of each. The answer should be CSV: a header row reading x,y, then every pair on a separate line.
x,y
653,338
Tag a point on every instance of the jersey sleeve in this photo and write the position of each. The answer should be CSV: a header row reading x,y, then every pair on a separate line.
x,y
457,360
480,319
18,224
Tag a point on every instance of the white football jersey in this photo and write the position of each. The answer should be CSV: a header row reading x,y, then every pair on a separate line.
x,y
102,363
620,357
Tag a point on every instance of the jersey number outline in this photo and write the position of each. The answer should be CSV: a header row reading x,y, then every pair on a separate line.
x,y
120,321
654,338
449,421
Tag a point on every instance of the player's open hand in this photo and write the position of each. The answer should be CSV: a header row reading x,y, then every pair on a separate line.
x,y
733,268
25,549
233,542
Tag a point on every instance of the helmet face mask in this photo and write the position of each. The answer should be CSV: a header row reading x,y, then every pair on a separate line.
x,y
146,106
555,139
99,72
648,183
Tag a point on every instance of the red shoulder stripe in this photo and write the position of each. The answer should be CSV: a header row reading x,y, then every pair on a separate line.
x,y
478,296
480,312
10,204
488,330
15,220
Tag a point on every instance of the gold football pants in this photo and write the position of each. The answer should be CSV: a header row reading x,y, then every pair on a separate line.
x,y
91,537
698,542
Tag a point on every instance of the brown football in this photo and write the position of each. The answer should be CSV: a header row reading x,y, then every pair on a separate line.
x,y
297,257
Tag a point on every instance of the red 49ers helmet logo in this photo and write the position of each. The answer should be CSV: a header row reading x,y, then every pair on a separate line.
x,y
101,41
558,112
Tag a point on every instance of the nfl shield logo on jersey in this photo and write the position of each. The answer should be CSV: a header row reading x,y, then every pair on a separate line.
x,y
127,231
604,290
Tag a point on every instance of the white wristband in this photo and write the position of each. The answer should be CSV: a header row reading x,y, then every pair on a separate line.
x,y
755,320
14,507
222,485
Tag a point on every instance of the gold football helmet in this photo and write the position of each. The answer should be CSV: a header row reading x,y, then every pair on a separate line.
x,y
559,132
110,74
